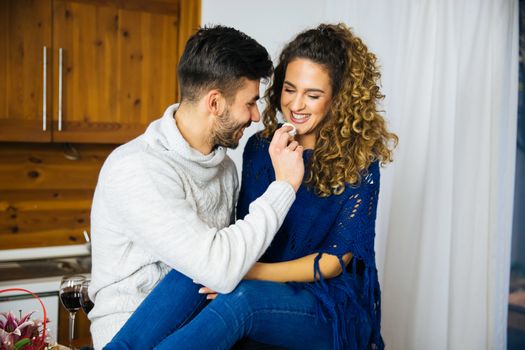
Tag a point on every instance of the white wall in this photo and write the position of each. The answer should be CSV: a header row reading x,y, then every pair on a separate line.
x,y
272,23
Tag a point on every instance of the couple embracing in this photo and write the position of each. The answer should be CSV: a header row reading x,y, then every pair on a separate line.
x,y
186,258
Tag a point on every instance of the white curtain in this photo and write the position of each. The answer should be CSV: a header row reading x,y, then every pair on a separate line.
x,y
444,222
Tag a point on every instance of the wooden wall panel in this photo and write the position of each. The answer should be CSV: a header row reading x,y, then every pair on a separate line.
x,y
46,192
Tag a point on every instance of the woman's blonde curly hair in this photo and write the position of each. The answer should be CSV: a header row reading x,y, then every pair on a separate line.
x,y
353,134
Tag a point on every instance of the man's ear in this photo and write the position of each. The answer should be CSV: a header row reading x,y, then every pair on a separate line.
x,y
215,102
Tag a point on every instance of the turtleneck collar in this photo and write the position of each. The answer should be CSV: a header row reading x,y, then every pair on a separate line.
x,y
165,134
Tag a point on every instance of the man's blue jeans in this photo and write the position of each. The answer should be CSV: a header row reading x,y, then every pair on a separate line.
x,y
175,316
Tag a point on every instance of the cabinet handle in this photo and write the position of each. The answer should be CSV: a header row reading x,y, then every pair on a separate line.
x,y
60,89
44,93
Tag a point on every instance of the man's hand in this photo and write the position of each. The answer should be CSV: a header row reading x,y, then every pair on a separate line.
x,y
287,158
211,293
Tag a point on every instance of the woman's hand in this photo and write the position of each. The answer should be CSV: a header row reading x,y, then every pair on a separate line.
x,y
287,158
211,293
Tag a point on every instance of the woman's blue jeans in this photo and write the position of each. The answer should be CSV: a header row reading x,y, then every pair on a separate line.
x,y
175,316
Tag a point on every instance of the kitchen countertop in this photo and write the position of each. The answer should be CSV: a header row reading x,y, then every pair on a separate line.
x,y
41,268
10,255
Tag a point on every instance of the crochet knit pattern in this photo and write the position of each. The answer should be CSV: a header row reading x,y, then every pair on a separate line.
x,y
334,225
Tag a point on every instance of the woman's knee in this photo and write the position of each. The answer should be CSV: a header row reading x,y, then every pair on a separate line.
x,y
241,296
251,296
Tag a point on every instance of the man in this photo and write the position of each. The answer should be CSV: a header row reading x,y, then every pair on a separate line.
x,y
164,200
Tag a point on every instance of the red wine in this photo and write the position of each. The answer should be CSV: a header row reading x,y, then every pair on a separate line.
x,y
87,305
71,300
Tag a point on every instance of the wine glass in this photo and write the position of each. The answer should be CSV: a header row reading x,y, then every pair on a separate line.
x,y
85,302
70,297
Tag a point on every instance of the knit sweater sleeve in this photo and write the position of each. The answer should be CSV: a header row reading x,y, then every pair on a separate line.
x,y
149,201
235,188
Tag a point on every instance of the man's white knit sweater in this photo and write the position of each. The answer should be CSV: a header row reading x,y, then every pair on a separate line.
x,y
160,204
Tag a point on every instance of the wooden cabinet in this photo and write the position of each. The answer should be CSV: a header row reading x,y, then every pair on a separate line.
x,y
109,69
25,29
118,73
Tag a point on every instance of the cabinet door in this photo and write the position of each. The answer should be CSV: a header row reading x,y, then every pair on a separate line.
x,y
118,70
25,29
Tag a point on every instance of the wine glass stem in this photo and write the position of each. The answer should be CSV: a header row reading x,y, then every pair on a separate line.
x,y
71,328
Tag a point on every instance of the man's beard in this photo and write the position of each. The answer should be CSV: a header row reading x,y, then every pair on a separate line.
x,y
225,130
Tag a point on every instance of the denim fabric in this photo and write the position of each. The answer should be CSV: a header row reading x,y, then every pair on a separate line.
x,y
175,316
267,312
171,304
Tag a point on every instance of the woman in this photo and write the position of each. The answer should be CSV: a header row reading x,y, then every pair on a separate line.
x,y
326,85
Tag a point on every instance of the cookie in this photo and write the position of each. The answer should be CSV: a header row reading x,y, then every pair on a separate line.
x,y
292,132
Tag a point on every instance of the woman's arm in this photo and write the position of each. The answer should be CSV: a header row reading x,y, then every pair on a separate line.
x,y
298,270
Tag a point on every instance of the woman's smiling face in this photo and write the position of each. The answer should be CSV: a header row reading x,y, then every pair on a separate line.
x,y
305,98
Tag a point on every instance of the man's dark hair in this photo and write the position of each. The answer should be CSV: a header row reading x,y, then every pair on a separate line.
x,y
219,57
